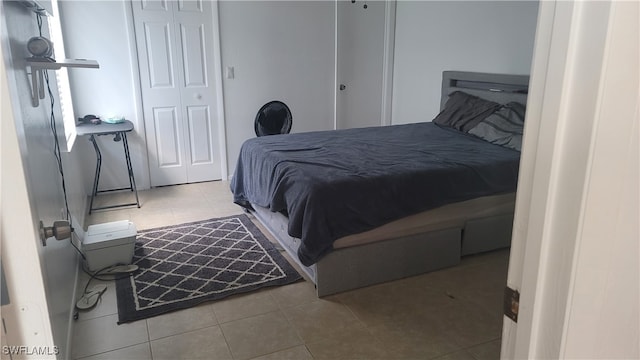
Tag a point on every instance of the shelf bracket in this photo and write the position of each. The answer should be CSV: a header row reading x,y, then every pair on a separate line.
x,y
40,65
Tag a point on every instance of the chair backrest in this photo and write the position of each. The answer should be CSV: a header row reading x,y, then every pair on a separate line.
x,y
273,118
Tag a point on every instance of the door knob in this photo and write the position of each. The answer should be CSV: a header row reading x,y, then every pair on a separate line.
x,y
343,86
198,96
60,230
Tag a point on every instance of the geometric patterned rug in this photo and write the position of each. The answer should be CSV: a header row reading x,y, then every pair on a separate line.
x,y
184,265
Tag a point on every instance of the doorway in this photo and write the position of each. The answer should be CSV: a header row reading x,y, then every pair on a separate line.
x,y
175,43
363,64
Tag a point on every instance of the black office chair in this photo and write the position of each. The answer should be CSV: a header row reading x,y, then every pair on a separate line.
x,y
273,118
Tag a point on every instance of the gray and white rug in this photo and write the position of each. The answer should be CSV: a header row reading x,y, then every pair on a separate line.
x,y
184,265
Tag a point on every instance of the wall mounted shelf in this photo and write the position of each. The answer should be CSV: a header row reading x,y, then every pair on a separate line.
x,y
39,65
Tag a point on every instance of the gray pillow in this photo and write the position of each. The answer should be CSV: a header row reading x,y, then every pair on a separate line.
x,y
463,111
504,127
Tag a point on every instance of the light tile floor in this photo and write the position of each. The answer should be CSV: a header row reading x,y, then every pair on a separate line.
x,y
449,314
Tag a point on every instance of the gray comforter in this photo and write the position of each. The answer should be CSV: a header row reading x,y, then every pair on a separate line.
x,y
335,183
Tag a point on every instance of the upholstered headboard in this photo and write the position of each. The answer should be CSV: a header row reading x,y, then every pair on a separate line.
x,y
500,88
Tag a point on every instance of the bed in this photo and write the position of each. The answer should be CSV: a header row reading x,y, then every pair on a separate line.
x,y
358,207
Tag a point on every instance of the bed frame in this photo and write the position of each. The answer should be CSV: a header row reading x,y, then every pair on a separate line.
x,y
395,258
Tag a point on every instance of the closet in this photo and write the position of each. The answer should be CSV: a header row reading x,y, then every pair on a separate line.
x,y
175,42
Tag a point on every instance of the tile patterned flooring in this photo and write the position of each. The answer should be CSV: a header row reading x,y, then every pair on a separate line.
x,y
449,314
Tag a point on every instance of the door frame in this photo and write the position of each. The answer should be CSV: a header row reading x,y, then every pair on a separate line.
x,y
570,75
217,69
26,318
387,63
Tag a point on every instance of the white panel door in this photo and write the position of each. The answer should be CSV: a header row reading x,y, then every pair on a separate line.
x,y
175,50
360,54
194,26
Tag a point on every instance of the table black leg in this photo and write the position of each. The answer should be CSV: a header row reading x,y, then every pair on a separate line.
x,y
96,177
127,155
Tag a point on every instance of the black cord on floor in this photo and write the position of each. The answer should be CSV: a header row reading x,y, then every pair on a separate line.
x,y
96,275
84,258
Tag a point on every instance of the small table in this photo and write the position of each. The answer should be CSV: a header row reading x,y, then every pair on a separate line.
x,y
119,131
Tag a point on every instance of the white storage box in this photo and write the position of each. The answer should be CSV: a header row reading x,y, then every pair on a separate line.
x,y
109,244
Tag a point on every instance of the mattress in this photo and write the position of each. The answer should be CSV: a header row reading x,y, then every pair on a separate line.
x,y
333,184
449,216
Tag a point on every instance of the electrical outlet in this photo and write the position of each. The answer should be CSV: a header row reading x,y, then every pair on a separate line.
x,y
76,240
230,72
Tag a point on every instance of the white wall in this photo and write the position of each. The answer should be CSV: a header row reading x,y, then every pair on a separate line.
x,y
433,36
100,30
279,51
58,258
285,50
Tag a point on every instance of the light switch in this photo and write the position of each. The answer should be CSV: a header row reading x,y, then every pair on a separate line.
x,y
229,72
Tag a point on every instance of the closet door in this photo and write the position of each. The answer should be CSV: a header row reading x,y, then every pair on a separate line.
x,y
175,52
360,53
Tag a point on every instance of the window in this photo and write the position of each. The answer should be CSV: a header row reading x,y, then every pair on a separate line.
x,y
62,76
